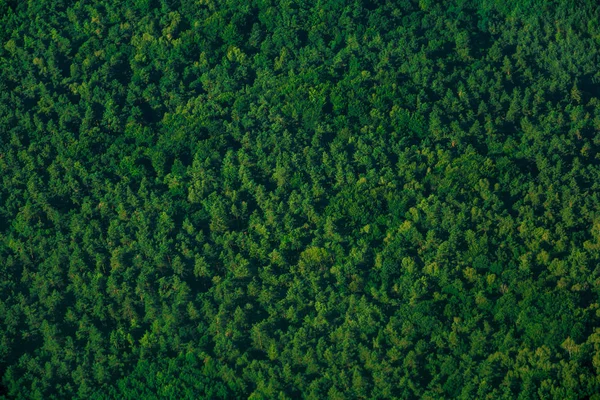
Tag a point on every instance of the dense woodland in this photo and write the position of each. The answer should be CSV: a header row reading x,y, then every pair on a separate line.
x,y
267,199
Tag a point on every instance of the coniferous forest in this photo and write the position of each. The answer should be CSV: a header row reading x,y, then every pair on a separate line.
x,y
345,199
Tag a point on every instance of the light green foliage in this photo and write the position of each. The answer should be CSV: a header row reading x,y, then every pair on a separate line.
x,y
295,199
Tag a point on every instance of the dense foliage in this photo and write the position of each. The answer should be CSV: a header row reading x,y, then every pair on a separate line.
x,y
282,199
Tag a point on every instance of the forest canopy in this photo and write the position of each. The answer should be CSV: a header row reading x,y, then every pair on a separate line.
x,y
294,199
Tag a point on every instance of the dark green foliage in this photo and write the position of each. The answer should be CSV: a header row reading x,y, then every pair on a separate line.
x,y
336,199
